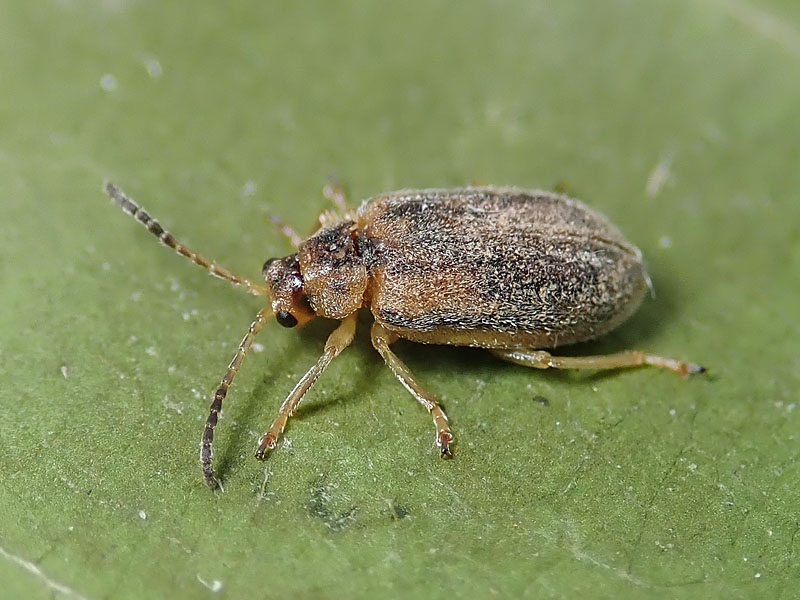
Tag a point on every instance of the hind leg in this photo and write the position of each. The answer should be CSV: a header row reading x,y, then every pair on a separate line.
x,y
540,359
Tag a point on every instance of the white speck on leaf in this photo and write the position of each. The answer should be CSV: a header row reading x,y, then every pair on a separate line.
x,y
659,176
108,82
170,405
215,585
153,67
249,188
65,371
142,515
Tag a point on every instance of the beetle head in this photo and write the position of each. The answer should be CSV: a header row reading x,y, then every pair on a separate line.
x,y
326,278
285,285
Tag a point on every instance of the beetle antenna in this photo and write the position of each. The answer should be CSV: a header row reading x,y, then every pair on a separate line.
x,y
206,452
166,238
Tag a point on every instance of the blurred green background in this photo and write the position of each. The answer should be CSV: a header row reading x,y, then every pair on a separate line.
x,y
678,119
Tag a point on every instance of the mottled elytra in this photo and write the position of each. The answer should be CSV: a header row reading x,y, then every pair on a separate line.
x,y
505,269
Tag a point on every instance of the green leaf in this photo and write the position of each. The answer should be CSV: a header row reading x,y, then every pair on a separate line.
x,y
679,120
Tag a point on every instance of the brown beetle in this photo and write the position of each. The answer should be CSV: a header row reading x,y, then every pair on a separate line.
x,y
505,269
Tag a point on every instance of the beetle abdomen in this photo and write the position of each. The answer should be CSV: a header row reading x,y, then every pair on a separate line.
x,y
496,267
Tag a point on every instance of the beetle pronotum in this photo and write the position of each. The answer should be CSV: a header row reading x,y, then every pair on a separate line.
x,y
505,269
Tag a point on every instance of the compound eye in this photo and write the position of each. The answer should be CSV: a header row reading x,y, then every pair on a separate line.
x,y
286,319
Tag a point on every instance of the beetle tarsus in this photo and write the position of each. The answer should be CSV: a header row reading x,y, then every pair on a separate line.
x,y
265,444
211,480
690,368
208,476
444,440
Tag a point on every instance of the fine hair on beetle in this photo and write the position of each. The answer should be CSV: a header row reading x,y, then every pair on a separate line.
x,y
510,270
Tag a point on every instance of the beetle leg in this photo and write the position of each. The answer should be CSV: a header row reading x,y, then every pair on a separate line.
x,y
206,451
629,358
334,192
340,339
288,232
381,339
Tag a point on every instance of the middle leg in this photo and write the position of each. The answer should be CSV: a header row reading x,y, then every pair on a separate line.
x,y
381,339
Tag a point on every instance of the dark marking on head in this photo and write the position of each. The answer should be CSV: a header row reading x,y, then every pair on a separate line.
x,y
334,274
267,264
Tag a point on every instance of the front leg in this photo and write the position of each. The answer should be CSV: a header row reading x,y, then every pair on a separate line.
x,y
381,339
340,339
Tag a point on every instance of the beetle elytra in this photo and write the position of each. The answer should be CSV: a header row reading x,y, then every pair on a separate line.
x,y
510,270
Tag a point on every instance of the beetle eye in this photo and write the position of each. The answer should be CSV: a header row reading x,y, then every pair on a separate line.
x,y
286,319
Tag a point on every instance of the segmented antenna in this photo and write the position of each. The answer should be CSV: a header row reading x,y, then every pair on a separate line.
x,y
166,238
207,441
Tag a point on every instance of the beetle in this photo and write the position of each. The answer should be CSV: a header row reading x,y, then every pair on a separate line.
x,y
511,270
